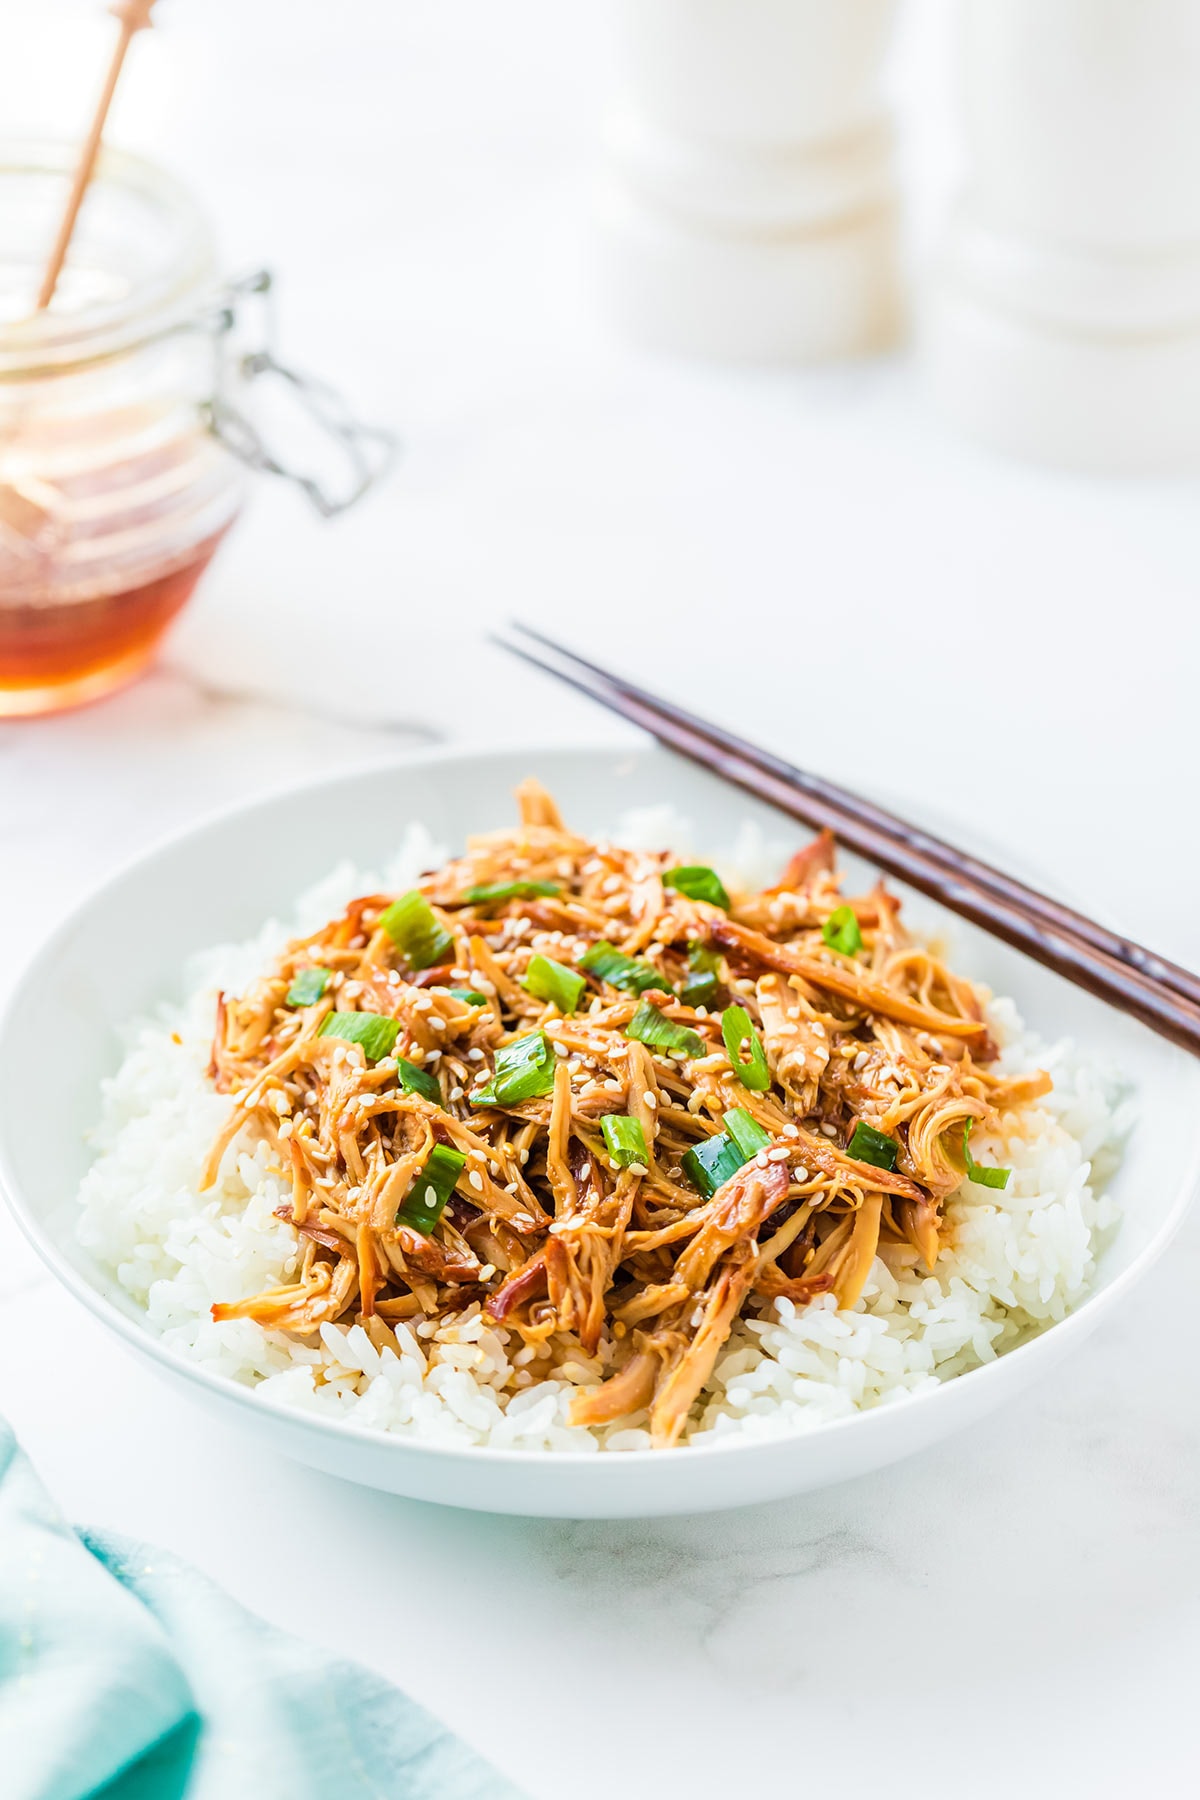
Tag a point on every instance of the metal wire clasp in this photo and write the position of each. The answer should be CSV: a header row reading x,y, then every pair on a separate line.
x,y
367,451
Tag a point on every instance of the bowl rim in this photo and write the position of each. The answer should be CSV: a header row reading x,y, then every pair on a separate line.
x,y
143,1339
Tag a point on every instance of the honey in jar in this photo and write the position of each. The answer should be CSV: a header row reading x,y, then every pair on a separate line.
x,y
114,492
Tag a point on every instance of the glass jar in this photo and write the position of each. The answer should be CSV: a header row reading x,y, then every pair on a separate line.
x,y
123,443
114,493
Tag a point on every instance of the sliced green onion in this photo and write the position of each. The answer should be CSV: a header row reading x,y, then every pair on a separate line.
x,y
524,1069
746,1132
620,971
308,986
703,979
870,1146
371,1031
698,883
413,1080
426,1199
546,979
699,989
992,1178
752,1068
841,931
472,996
510,890
711,1163
412,925
624,1140
649,1026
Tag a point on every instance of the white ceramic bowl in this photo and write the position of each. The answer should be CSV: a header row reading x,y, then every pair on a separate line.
x,y
121,953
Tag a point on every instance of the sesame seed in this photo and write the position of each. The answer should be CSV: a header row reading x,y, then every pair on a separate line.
x,y
474,1055
456,1093
777,1156
799,1174
476,1180
792,1131
524,1158
560,1050
649,1099
829,1130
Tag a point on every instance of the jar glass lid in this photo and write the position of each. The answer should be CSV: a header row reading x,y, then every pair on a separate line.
x,y
141,259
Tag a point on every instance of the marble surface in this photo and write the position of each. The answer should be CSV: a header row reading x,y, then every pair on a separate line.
x,y
818,560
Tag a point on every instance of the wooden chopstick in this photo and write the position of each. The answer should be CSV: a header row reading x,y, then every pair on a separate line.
x,y
1125,974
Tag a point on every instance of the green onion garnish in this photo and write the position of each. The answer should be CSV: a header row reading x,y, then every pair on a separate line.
x,y
307,987
413,1080
751,1069
624,1140
993,1178
649,1026
412,925
524,1070
703,979
510,890
746,1132
426,1199
711,1163
699,989
546,979
471,996
698,883
841,932
371,1031
625,972
870,1146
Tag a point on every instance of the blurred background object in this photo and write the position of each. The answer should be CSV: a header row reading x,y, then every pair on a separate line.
x,y
749,203
1066,317
122,410
113,493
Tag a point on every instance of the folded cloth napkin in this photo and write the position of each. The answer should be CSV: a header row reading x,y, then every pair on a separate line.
x,y
125,1675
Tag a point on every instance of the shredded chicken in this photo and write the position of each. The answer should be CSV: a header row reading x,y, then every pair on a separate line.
x,y
622,1260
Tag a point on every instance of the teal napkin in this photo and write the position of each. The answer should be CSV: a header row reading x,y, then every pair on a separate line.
x,y
125,1675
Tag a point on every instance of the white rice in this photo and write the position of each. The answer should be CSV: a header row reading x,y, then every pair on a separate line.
x,y
1019,1259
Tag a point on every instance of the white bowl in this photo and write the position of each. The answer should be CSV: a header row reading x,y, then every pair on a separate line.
x,y
121,953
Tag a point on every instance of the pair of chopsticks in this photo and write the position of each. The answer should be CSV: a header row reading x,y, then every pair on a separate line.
x,y
1135,980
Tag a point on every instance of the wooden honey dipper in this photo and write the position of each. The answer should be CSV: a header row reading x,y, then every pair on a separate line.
x,y
134,15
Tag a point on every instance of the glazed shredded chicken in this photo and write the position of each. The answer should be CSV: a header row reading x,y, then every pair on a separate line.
x,y
414,1196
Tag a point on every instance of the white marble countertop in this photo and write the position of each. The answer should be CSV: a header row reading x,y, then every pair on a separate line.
x,y
1018,1608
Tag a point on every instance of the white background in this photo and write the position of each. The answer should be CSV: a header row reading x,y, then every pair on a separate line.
x,y
810,556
